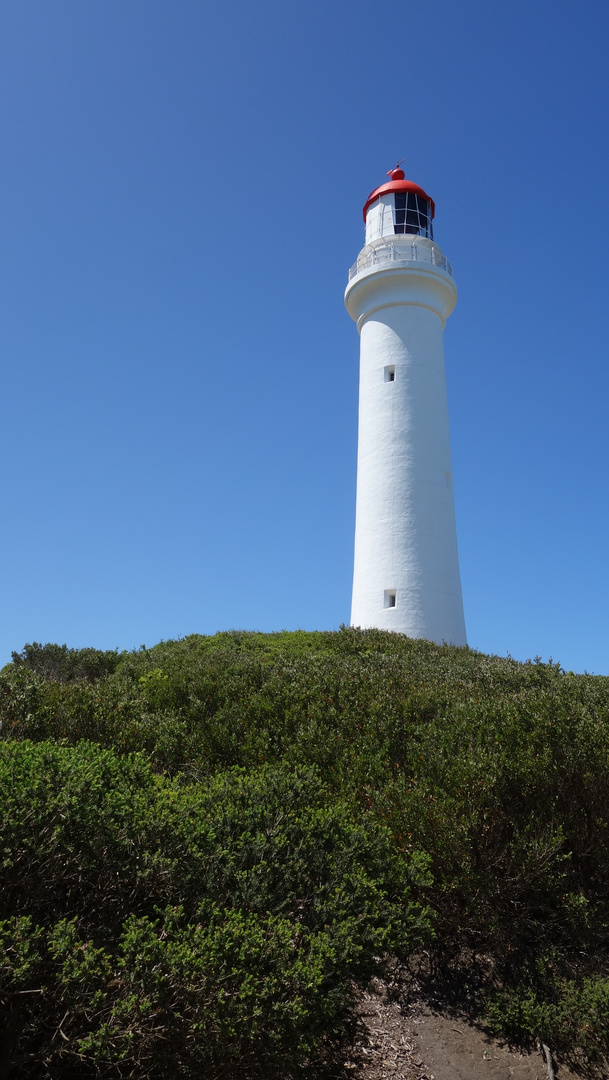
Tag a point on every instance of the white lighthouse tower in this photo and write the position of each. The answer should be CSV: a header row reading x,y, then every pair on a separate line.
x,y
400,293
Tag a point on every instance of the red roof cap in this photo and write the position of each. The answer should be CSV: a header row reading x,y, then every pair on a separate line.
x,y
398,183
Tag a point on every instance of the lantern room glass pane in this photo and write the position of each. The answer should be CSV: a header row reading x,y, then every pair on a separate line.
x,y
400,211
412,215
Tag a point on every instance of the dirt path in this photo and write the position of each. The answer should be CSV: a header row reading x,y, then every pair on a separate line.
x,y
417,1043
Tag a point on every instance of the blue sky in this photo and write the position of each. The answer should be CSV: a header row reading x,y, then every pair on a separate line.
x,y
180,201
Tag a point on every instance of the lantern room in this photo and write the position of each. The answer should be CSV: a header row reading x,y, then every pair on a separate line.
x,y
397,208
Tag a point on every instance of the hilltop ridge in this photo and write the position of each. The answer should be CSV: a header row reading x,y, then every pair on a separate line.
x,y
209,845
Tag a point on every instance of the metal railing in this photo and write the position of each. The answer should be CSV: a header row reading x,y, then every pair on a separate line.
x,y
400,255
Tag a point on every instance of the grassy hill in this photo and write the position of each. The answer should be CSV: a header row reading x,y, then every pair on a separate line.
x,y
209,844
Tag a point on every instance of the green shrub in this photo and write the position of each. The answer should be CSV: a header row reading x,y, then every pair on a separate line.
x,y
67,665
174,926
571,1013
498,771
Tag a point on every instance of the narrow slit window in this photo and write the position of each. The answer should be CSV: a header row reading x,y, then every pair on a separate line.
x,y
390,373
389,597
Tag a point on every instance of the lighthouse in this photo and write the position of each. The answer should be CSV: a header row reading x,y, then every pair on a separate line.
x,y
400,294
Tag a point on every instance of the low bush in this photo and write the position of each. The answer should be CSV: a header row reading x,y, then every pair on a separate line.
x,y
171,926
568,1013
497,771
67,665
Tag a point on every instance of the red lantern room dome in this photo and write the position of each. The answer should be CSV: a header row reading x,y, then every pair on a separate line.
x,y
398,207
398,185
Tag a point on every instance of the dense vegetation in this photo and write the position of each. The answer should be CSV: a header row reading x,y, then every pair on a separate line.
x,y
206,846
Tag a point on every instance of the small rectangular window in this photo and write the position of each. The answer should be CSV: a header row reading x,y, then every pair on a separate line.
x,y
389,597
390,373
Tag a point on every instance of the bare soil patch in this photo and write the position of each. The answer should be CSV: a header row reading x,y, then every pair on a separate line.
x,y
414,1040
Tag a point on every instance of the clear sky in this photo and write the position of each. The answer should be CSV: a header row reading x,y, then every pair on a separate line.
x,y
180,200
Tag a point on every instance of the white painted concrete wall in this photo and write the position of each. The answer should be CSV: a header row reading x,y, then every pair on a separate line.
x,y
405,535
